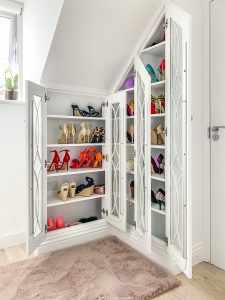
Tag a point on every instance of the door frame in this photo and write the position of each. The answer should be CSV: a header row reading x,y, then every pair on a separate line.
x,y
206,94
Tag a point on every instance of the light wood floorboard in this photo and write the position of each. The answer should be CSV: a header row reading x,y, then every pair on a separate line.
x,y
208,282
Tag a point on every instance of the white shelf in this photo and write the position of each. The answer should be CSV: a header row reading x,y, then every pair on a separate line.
x,y
156,50
155,207
158,115
74,145
130,172
158,177
131,200
62,117
130,117
126,90
158,146
158,85
74,172
53,201
130,144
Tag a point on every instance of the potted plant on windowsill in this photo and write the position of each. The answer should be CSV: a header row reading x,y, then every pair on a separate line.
x,y
11,85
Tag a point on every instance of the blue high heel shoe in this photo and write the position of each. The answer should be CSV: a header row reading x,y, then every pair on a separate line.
x,y
151,72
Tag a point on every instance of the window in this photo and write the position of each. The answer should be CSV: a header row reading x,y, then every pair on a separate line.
x,y
9,71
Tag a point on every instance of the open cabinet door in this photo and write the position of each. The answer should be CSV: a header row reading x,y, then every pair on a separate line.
x,y
115,176
142,97
37,165
178,139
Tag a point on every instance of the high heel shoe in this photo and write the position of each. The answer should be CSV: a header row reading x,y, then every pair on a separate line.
x,y
54,166
161,161
85,133
78,112
161,69
82,162
72,133
151,72
132,189
154,138
97,135
161,134
64,134
87,189
72,189
99,189
153,197
93,112
130,134
98,160
161,103
66,159
64,191
130,108
51,224
160,197
154,168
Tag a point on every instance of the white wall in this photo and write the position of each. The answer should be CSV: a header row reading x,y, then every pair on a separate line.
x,y
12,175
39,22
195,9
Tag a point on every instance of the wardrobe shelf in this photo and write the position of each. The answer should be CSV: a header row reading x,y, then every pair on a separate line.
x,y
158,146
158,85
63,117
158,115
131,200
126,90
157,177
129,144
155,207
75,145
74,172
130,117
53,201
130,172
156,50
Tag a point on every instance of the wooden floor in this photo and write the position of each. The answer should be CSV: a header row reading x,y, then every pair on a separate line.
x,y
208,281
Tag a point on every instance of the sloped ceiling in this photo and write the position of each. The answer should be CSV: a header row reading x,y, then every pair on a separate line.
x,y
93,42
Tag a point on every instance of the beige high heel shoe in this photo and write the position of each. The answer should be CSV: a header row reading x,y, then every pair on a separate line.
x,y
72,189
131,132
63,193
64,134
84,133
72,133
154,138
161,134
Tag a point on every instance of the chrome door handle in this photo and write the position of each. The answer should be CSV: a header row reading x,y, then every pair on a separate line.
x,y
216,128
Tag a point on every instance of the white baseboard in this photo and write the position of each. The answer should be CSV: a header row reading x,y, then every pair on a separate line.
x,y
12,239
197,254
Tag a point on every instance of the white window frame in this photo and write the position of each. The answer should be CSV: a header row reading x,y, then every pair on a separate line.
x,y
9,9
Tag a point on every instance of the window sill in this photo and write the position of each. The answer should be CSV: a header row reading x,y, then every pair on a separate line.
x,y
12,102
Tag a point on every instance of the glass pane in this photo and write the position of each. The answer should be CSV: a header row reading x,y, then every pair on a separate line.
x,y
115,160
4,50
140,222
37,167
177,124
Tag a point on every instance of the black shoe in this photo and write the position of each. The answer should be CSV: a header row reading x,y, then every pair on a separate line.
x,y
93,112
78,112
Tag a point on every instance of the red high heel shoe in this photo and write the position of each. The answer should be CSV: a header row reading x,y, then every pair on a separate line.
x,y
90,157
54,166
82,162
51,225
66,159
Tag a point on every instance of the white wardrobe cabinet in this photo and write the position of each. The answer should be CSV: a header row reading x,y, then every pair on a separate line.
x,y
126,209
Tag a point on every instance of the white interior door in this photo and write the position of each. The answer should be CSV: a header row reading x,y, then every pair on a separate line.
x,y
142,152
217,79
37,165
115,177
178,139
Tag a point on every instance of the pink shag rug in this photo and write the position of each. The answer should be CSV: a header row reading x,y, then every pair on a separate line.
x,y
105,269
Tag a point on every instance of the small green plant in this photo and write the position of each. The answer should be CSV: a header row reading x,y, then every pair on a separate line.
x,y
11,82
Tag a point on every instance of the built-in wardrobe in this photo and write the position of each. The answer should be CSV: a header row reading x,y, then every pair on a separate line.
x,y
145,148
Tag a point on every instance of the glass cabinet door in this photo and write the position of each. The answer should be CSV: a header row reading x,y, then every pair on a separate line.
x,y
142,152
37,172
